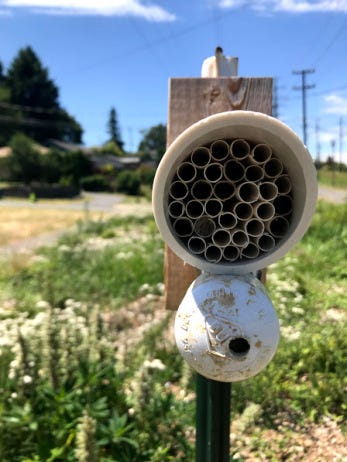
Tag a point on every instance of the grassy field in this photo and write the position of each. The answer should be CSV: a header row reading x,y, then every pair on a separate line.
x,y
334,178
89,370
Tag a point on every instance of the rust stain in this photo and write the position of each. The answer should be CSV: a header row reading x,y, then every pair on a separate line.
x,y
258,344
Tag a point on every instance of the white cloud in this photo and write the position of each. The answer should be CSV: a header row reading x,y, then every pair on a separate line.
x,y
147,11
335,104
288,6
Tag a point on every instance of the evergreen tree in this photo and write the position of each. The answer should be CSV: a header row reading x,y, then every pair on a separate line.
x,y
35,101
113,128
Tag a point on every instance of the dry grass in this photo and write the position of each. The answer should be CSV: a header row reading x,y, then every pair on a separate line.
x,y
18,223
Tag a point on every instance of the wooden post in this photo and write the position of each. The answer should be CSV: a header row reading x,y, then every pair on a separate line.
x,y
190,100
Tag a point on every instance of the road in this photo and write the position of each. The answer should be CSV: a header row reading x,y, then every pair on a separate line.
x,y
94,202
112,203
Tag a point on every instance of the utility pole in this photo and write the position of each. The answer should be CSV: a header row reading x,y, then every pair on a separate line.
x,y
303,89
340,141
318,145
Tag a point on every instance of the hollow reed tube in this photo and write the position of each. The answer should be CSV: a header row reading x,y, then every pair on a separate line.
x,y
264,210
266,242
239,238
243,211
176,209
248,192
221,237
251,251
213,172
200,157
213,207
261,153
194,209
178,190
273,168
186,172
204,227
284,184
268,190
183,227
201,190
283,205
239,149
234,171
278,226
196,245
227,220
254,173
231,253
219,150
254,227
224,190
213,253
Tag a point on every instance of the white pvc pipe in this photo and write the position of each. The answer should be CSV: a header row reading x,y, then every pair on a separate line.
x,y
213,172
221,237
213,207
219,150
261,153
178,190
224,190
239,149
194,209
196,245
204,226
176,209
201,190
268,190
259,129
186,172
183,227
247,192
200,157
227,220
234,171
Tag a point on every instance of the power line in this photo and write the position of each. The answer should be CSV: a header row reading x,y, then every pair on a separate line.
x,y
303,89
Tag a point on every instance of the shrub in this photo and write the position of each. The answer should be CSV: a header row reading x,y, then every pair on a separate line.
x,y
95,183
129,182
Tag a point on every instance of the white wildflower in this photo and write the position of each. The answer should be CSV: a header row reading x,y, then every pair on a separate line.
x,y
27,379
154,364
297,310
42,304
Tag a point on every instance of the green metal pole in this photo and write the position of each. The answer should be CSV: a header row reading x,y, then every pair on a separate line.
x,y
212,420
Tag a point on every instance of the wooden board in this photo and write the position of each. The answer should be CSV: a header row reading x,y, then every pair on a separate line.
x,y
190,100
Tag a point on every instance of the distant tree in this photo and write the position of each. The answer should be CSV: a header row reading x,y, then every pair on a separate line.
x,y
113,128
111,148
24,160
153,143
35,98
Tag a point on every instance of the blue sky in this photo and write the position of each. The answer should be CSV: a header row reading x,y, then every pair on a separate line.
x,y
121,53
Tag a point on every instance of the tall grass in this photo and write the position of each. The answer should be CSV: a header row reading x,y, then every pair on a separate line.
x,y
83,379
